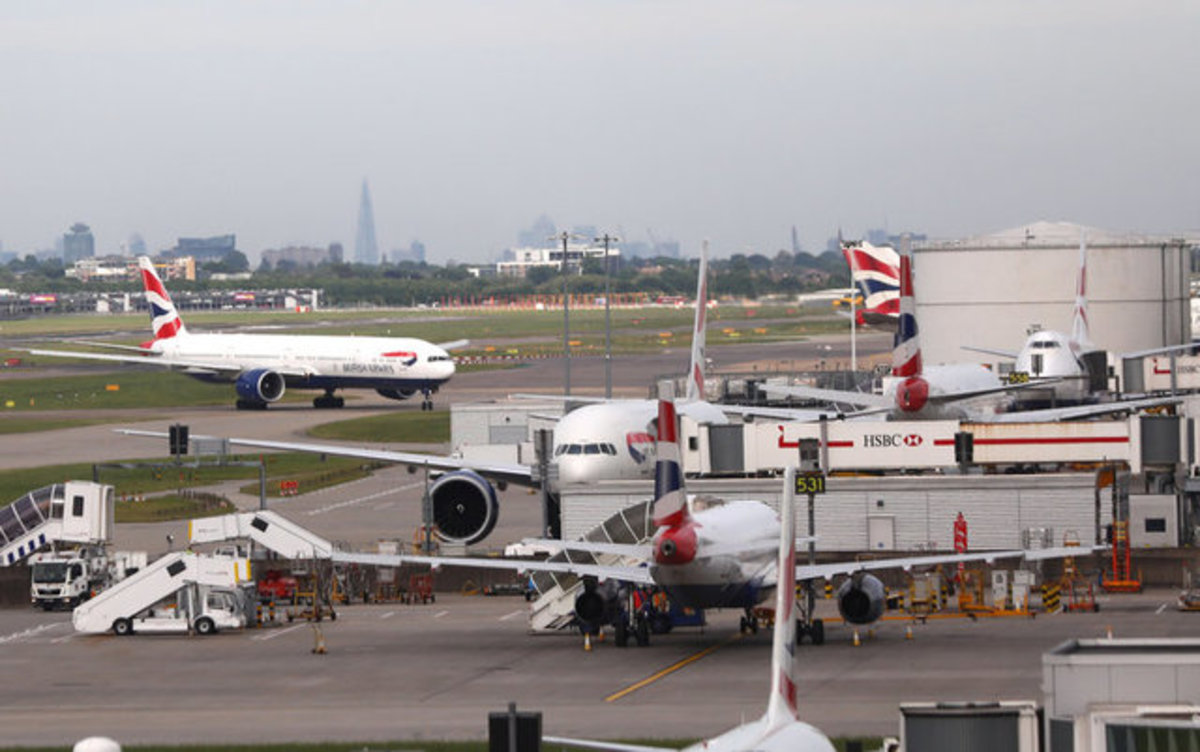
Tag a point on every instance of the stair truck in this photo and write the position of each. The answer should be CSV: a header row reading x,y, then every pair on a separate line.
x,y
181,592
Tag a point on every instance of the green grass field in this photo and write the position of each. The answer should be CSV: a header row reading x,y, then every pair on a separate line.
x,y
401,427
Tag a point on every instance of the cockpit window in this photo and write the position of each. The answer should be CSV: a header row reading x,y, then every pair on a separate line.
x,y
437,358
574,449
1046,344
610,450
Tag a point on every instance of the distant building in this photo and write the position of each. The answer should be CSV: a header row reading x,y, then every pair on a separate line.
x,y
203,250
414,252
116,268
539,234
136,245
302,256
520,260
78,243
366,250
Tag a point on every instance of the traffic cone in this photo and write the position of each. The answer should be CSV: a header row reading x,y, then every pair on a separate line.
x,y
857,641
318,640
587,641
908,632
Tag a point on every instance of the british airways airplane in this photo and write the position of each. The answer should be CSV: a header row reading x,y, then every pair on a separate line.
x,y
263,366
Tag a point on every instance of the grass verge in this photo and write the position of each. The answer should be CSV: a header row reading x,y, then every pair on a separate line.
x,y
400,427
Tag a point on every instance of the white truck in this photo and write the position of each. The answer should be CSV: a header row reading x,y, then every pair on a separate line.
x,y
180,592
67,578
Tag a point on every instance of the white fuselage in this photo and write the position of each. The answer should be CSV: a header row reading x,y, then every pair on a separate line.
x,y
1054,355
615,440
949,379
318,362
735,561
761,736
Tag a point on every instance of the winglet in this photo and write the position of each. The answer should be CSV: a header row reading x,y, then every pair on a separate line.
x,y
782,707
670,499
695,381
164,319
1080,331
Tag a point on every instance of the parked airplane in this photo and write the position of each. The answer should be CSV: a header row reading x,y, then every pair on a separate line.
x,y
875,271
954,391
262,366
780,728
703,554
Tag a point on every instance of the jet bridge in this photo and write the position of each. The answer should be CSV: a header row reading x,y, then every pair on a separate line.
x,y
160,580
71,512
270,530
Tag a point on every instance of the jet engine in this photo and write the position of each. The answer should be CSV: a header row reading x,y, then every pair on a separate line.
x,y
465,508
597,604
862,599
259,386
396,394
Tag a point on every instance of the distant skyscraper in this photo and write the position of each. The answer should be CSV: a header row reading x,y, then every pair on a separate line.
x,y
366,250
78,243
137,245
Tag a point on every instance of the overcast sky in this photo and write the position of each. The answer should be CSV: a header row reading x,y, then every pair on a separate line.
x,y
731,120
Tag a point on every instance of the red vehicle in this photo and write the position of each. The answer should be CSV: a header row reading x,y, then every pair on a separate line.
x,y
277,586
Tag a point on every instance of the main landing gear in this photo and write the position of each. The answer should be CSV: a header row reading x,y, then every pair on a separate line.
x,y
427,399
749,623
327,400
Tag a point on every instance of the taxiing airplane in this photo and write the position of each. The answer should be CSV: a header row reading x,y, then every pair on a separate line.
x,y
780,728
703,554
954,391
263,366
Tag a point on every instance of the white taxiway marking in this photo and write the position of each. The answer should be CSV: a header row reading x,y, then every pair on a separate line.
x,y
64,638
30,632
440,614
278,633
1161,608
387,615
362,499
513,615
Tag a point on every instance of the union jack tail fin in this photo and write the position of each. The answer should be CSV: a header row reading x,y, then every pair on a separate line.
x,y
906,355
782,707
1080,331
875,272
164,319
695,381
670,498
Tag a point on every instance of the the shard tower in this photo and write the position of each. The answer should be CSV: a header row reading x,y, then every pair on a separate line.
x,y
366,250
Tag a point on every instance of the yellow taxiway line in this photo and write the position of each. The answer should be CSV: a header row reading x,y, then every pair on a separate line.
x,y
670,669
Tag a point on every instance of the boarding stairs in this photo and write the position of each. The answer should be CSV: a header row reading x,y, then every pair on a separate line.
x,y
554,607
44,516
158,581
270,530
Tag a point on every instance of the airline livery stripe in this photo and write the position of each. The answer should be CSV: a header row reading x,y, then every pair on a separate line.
x,y
1041,440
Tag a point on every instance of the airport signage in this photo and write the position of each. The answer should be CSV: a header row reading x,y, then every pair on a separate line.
x,y
866,445
1158,371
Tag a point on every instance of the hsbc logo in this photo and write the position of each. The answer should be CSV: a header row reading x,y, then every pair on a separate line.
x,y
891,440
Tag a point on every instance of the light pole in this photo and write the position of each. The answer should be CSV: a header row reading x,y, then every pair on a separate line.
x,y
566,322
607,317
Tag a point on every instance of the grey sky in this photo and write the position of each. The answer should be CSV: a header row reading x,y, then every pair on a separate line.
x,y
732,121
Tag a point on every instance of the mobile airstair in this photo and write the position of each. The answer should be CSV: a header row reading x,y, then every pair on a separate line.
x,y
270,530
71,512
117,607
554,607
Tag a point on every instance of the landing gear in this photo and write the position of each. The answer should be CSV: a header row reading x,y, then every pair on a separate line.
x,y
327,400
815,630
427,399
749,623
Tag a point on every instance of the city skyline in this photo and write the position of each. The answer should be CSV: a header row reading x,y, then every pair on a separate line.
x,y
678,119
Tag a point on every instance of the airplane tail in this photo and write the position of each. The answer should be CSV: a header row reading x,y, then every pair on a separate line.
x,y
782,707
164,319
906,355
670,498
1080,331
695,382
875,272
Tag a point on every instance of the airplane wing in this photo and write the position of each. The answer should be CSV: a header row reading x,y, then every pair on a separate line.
x,y
156,359
511,473
644,552
604,746
457,344
861,399
1077,412
826,571
637,575
991,351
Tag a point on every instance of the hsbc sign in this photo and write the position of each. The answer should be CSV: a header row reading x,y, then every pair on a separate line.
x,y
858,445
888,440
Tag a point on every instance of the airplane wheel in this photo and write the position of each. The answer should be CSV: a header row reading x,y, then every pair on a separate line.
x,y
621,634
753,622
743,626
817,632
642,633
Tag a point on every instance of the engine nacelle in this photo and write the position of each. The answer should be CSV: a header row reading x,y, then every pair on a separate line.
x,y
862,599
260,385
465,508
598,604
396,394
